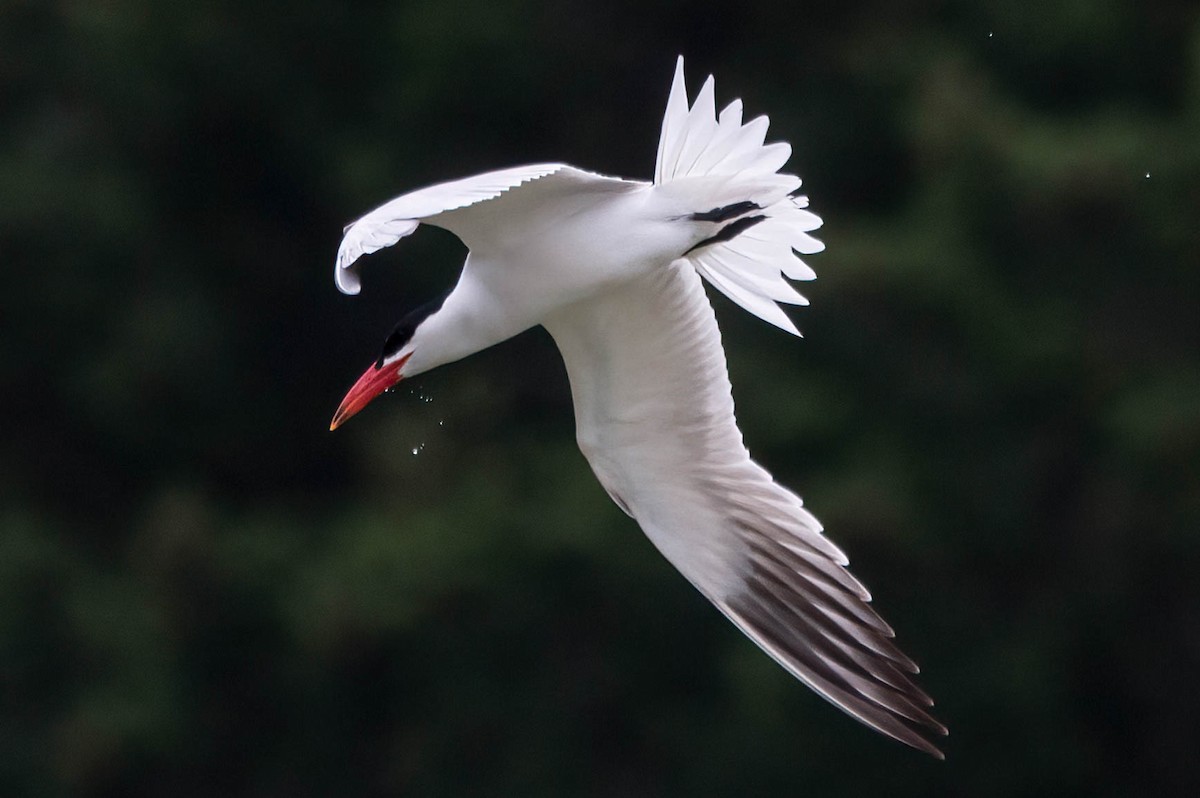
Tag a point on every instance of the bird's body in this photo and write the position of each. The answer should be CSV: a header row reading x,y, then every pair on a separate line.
x,y
612,269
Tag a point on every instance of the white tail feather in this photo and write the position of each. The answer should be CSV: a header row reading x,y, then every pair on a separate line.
x,y
714,161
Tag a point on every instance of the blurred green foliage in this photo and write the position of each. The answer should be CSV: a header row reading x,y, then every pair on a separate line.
x,y
997,409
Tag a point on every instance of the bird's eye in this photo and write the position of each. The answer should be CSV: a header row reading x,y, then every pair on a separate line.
x,y
398,338
407,326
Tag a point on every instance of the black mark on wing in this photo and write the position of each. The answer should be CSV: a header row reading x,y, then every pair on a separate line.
x,y
727,212
729,231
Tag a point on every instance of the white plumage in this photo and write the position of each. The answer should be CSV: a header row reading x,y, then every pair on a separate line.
x,y
612,269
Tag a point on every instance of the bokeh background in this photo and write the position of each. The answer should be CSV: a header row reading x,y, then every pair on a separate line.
x,y
996,409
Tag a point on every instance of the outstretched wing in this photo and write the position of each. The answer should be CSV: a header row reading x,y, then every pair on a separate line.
x,y
436,204
655,419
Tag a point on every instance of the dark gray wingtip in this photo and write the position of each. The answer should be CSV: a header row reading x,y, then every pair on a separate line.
x,y
819,628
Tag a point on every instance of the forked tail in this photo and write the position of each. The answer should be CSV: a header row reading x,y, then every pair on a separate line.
x,y
723,169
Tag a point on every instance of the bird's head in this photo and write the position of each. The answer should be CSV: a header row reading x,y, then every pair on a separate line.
x,y
390,367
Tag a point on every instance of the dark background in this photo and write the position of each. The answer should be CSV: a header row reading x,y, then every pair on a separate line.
x,y
996,409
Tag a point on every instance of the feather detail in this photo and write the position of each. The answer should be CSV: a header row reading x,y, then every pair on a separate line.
x,y
706,162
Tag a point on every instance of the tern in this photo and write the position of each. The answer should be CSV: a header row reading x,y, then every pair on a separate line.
x,y
613,269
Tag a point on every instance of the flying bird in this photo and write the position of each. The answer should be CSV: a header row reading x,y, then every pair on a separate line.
x,y
614,270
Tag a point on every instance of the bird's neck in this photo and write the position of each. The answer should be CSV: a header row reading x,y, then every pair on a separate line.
x,y
471,319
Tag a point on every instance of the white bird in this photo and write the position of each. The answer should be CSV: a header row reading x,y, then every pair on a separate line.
x,y
612,269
